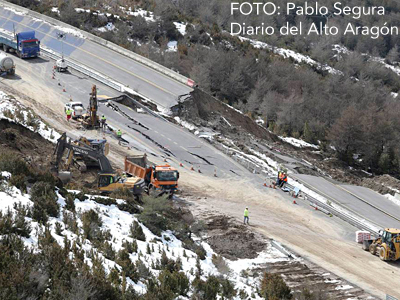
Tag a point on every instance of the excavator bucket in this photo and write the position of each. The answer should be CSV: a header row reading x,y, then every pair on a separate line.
x,y
65,176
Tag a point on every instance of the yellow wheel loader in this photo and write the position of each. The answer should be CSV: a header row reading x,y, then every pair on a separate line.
x,y
387,246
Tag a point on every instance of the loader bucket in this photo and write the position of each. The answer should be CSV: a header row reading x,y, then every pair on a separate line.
x,y
366,244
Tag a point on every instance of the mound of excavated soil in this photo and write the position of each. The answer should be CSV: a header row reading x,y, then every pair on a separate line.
x,y
232,240
38,152
30,146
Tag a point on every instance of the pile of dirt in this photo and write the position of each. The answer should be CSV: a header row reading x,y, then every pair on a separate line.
x,y
38,152
232,240
384,184
204,110
30,146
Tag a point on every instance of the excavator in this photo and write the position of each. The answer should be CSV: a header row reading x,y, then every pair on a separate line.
x,y
108,180
387,246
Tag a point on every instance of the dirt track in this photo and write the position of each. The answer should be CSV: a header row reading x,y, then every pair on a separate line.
x,y
308,234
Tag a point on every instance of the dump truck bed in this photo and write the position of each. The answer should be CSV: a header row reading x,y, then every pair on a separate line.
x,y
136,166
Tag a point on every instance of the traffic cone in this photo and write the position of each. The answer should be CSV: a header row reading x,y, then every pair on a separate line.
x,y
181,165
191,168
265,184
165,160
64,90
294,202
199,170
215,172
316,208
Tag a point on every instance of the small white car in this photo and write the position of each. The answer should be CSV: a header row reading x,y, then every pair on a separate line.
x,y
61,65
76,107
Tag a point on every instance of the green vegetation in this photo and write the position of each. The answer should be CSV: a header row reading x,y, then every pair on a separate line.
x,y
274,288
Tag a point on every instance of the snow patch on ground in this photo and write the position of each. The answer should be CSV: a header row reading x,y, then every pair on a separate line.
x,y
15,112
117,223
181,27
298,143
17,12
55,10
109,27
172,46
286,53
185,124
147,15
393,199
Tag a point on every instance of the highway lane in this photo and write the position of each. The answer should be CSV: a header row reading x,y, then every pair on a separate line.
x,y
158,87
341,196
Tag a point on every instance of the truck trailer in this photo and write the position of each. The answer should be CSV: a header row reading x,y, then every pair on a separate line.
x,y
161,178
24,44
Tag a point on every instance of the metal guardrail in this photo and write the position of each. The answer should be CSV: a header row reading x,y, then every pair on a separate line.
x,y
388,297
84,70
335,212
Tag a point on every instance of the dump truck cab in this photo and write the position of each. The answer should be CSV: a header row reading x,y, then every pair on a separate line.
x,y
165,178
162,178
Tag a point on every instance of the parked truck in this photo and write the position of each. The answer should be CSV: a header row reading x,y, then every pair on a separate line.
x,y
24,44
162,179
6,64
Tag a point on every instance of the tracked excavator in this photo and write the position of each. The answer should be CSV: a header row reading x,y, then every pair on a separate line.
x,y
108,180
387,246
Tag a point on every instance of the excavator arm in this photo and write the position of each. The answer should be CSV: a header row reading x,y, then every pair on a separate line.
x,y
96,154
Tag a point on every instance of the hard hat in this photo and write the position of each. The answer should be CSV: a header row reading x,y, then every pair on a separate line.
x,y
247,208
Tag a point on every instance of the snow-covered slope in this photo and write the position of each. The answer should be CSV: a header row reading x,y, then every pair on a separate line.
x,y
117,222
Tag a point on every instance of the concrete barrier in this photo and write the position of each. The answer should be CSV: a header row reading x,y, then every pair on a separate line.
x,y
143,60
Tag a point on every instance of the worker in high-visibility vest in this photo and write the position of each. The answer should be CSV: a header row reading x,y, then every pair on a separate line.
x,y
69,113
103,122
246,215
119,135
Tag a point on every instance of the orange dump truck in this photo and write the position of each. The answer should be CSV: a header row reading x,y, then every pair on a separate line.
x,y
163,179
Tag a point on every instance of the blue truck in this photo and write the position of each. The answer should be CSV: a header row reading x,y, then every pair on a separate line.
x,y
24,44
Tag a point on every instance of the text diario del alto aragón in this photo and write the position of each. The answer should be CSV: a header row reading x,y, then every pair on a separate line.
x,y
270,9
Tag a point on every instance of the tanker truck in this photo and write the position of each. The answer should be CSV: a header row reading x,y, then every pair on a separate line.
x,y
6,64
24,44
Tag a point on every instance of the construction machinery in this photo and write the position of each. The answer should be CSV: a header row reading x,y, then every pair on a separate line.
x,y
161,178
387,246
108,180
90,120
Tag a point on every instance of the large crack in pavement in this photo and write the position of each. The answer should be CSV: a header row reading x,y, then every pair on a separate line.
x,y
117,109
201,157
164,149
